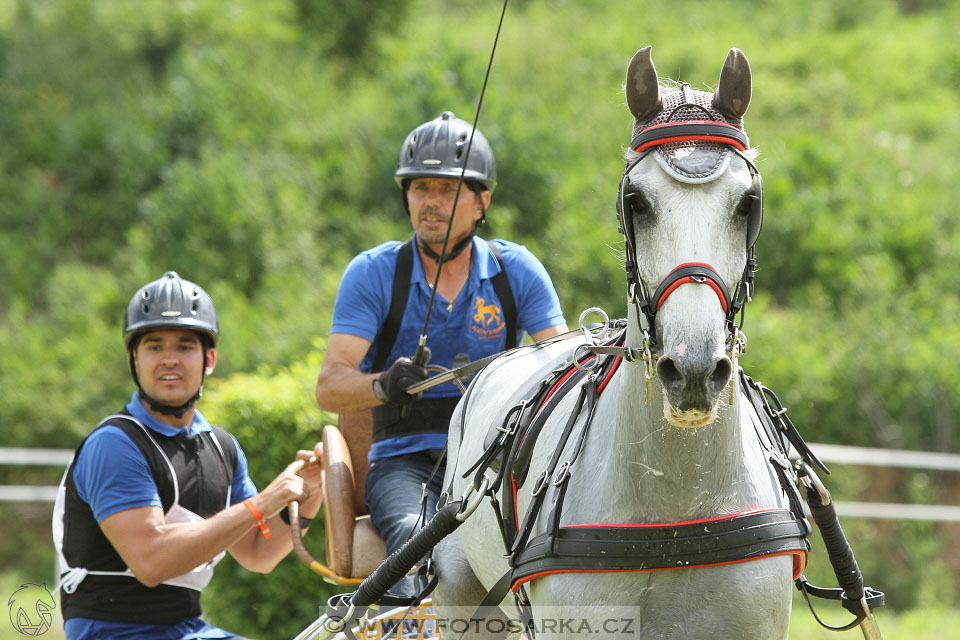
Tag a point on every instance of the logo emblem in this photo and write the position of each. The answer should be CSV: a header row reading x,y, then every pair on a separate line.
x,y
30,609
488,319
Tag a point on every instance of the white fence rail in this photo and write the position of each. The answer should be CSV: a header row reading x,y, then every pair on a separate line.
x,y
12,456
830,453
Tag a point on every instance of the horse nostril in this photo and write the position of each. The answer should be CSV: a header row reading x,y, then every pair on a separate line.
x,y
720,376
669,374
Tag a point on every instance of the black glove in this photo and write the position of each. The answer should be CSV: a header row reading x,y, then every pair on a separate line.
x,y
393,382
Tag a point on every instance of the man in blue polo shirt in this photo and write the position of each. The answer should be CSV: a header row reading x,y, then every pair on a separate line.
x,y
368,366
155,495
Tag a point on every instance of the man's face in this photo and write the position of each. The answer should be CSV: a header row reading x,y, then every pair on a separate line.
x,y
170,366
431,201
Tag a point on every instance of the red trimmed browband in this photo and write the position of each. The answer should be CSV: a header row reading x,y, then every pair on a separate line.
x,y
694,130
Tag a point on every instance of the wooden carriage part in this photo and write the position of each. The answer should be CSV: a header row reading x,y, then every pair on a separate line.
x,y
354,547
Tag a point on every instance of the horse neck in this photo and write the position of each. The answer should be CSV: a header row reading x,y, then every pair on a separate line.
x,y
680,473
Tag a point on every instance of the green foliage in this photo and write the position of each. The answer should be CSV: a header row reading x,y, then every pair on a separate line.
x,y
250,146
58,347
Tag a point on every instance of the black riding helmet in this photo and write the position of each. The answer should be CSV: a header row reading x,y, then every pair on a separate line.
x,y
170,303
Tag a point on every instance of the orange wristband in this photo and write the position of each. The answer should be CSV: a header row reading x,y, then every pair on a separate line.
x,y
264,527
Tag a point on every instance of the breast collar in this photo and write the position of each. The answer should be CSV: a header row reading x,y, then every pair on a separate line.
x,y
610,547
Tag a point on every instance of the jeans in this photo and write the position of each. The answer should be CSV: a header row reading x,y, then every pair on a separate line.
x,y
393,490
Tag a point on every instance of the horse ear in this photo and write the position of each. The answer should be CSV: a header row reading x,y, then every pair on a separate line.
x,y
643,89
732,96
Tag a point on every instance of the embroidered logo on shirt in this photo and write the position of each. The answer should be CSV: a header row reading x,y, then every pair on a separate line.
x,y
30,608
488,319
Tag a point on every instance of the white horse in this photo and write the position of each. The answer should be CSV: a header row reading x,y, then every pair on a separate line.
x,y
670,443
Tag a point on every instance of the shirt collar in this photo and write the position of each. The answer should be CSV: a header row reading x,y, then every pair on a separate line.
x,y
484,262
138,411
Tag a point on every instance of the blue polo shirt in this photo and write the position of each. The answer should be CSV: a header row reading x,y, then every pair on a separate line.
x,y
474,326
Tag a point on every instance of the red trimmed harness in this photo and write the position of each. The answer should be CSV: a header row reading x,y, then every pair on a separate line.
x,y
649,546
692,273
601,548
598,548
690,131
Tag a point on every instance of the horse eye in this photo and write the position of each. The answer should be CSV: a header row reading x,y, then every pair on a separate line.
x,y
635,203
746,204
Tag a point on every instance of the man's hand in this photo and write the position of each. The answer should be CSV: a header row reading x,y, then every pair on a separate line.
x,y
285,487
313,463
312,474
401,374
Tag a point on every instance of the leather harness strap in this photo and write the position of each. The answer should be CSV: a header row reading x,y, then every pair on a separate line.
x,y
675,545
694,273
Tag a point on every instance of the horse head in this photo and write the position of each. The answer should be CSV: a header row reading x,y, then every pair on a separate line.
x,y
689,208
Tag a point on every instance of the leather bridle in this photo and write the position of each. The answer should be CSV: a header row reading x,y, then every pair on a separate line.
x,y
693,272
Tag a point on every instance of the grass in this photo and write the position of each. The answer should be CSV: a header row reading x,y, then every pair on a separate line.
x,y
919,624
925,624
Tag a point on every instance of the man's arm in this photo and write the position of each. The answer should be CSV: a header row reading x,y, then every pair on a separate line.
x,y
549,332
156,551
341,386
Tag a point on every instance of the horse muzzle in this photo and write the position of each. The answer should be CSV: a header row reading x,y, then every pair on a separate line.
x,y
692,387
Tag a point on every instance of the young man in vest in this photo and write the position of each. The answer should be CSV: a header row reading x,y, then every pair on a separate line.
x,y
155,495
487,294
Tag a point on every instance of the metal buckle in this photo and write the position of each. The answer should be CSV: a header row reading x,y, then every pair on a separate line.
x,y
539,485
469,506
809,479
737,343
648,368
512,421
592,363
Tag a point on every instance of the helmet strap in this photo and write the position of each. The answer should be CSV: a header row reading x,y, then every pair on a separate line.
x,y
166,409
453,253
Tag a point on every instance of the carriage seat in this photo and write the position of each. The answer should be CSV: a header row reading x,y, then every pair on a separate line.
x,y
354,547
